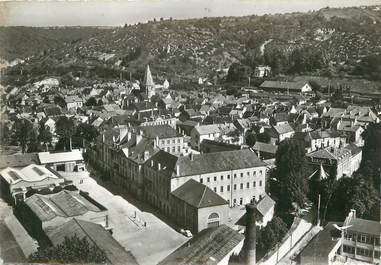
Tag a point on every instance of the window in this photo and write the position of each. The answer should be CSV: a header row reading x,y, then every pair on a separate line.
x,y
173,149
228,188
241,186
162,142
248,185
240,201
260,183
215,178
241,175
248,173
215,189
260,172
235,175
208,179
254,173
201,180
213,220
168,141
222,177
178,140
222,189
228,176
179,149
254,184
235,186
235,201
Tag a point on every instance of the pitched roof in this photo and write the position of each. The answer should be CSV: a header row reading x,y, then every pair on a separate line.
x,y
265,204
283,85
96,235
365,226
217,162
353,148
209,246
148,80
207,129
161,131
329,153
18,160
48,157
198,195
264,147
283,128
30,173
64,203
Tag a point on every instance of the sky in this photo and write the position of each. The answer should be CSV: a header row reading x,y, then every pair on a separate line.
x,y
119,12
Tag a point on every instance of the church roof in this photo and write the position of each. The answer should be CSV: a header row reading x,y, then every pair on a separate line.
x,y
148,80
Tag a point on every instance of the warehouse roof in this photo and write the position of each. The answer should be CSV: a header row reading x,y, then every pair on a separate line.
x,y
96,235
64,204
48,157
209,246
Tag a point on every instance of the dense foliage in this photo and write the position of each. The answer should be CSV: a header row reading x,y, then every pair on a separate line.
x,y
72,250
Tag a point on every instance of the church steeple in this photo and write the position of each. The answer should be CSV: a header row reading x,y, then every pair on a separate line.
x,y
148,82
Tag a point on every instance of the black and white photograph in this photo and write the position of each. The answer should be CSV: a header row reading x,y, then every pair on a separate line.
x,y
190,132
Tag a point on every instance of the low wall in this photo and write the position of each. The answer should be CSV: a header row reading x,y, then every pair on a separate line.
x,y
26,242
298,229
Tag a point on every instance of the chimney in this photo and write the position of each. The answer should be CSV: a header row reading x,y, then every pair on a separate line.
x,y
158,166
103,137
191,156
177,170
249,245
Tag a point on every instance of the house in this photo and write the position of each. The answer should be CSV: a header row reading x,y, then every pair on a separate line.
x,y
17,182
340,161
212,246
265,208
201,132
361,239
286,86
321,139
50,124
278,133
265,151
323,248
186,127
73,102
196,207
96,235
70,161
262,71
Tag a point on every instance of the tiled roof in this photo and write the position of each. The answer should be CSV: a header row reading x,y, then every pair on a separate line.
x,y
209,246
161,131
64,204
265,204
207,129
264,147
198,195
329,153
283,128
95,235
19,160
365,226
217,162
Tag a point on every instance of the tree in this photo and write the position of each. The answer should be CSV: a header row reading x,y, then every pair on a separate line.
x,y
91,102
85,132
72,250
44,135
272,233
251,139
65,128
24,133
60,101
291,170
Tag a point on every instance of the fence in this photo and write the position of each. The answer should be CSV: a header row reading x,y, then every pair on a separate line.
x,y
298,229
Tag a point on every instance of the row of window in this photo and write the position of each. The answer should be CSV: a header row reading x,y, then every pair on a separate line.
x,y
228,176
362,238
361,251
235,186
169,141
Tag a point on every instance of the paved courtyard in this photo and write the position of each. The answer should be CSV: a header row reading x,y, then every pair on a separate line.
x,y
148,237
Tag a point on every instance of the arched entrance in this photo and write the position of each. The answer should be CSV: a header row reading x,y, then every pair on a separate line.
x,y
213,220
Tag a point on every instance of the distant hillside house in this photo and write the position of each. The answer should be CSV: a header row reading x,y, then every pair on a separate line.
x,y
262,71
286,87
73,102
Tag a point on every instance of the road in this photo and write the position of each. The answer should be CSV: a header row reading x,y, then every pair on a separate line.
x,y
147,236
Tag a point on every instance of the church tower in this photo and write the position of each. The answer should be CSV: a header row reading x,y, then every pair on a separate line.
x,y
148,83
